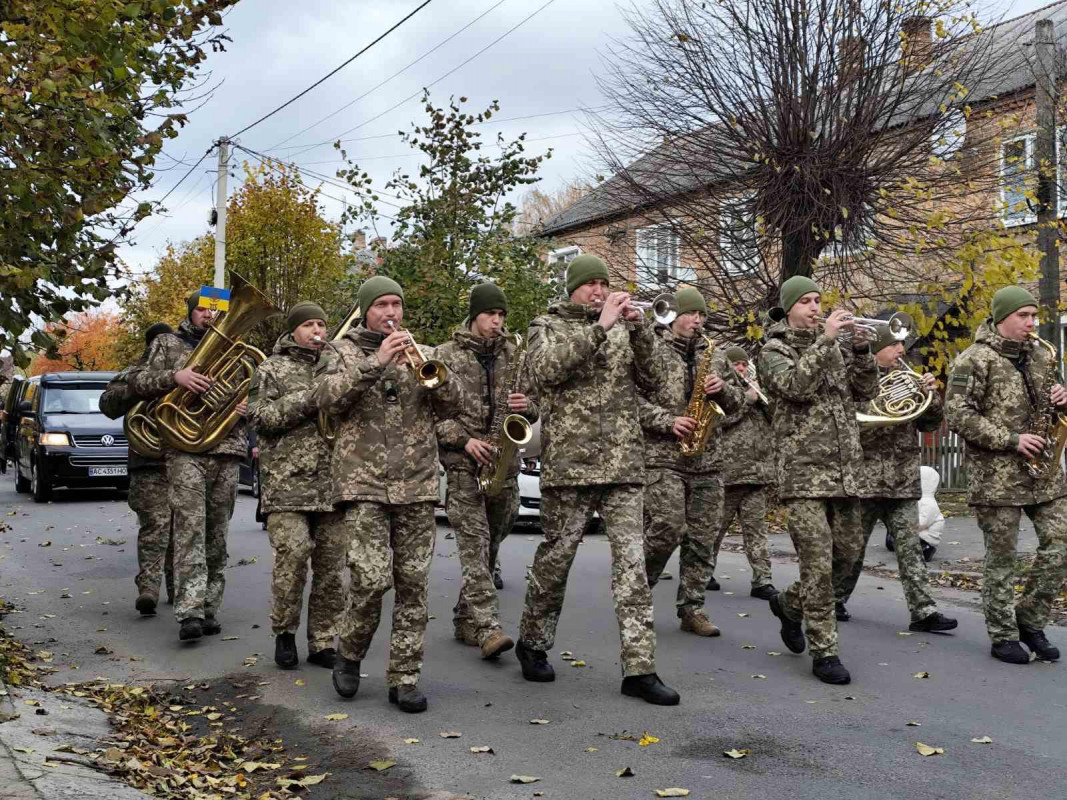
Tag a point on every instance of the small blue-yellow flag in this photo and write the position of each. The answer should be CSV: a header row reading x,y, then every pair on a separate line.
x,y
214,298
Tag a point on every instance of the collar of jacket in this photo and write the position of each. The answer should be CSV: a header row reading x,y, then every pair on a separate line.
x,y
479,345
189,334
798,338
1009,348
687,348
366,339
574,312
287,345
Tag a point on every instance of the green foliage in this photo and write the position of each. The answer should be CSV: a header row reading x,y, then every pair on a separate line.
x,y
455,225
91,90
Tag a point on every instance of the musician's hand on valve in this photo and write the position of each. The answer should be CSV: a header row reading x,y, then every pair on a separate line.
x,y
241,408
713,384
838,321
683,426
518,402
1030,445
929,381
480,451
193,381
612,310
392,346
1058,395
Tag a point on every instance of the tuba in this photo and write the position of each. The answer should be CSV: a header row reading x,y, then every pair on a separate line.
x,y
507,432
706,412
195,423
1047,423
901,398
326,423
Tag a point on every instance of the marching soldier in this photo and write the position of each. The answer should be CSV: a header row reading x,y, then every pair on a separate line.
x,y
295,491
480,359
202,486
815,380
683,493
148,493
890,490
586,355
748,470
384,474
996,388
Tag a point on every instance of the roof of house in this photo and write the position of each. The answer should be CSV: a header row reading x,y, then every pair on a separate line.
x,y
1014,72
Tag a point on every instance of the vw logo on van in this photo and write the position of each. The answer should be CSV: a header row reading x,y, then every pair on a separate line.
x,y
107,440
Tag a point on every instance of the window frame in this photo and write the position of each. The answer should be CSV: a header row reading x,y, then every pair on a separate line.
x,y
1028,217
728,264
652,276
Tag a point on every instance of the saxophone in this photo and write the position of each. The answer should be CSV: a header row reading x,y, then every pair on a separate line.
x,y
1047,423
706,412
507,432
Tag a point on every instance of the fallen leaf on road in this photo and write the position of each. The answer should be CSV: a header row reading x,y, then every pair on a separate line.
x,y
913,724
450,734
982,740
577,663
45,543
411,741
759,677
567,655
22,749
213,716
591,749
673,792
380,766
252,766
647,739
927,750
773,653
921,675
336,717
230,638
735,753
539,722
31,702
52,764
748,647
523,779
300,682
310,780
742,616
484,749
112,542
625,772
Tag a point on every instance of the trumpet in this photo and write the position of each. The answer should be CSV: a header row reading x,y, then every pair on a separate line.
x,y
429,373
899,325
664,308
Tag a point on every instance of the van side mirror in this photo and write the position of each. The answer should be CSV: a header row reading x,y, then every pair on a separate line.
x,y
25,407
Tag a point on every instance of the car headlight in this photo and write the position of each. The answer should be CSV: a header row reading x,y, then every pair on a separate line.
x,y
55,439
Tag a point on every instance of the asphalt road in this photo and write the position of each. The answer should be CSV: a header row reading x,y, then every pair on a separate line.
x,y
806,740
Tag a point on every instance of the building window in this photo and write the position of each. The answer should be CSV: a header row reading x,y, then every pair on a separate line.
x,y
949,134
564,255
738,240
1017,175
659,257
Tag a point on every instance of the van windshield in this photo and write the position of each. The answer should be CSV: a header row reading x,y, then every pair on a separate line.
x,y
77,398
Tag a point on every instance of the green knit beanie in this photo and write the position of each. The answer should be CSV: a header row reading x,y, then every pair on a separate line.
x,y
795,288
486,297
735,354
690,299
376,287
301,313
1009,300
883,337
583,269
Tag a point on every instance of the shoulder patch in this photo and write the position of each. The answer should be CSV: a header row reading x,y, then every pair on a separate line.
x,y
960,377
773,363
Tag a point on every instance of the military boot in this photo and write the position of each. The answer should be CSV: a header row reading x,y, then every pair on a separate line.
x,y
285,655
346,677
713,585
408,699
211,626
1010,652
326,657
841,612
697,622
498,580
496,643
650,689
764,592
792,633
535,666
146,604
1038,644
830,670
934,623
191,629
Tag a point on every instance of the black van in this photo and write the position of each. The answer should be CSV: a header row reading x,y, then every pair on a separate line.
x,y
62,438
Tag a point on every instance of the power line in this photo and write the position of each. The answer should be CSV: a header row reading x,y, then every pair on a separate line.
x,y
186,175
332,72
429,52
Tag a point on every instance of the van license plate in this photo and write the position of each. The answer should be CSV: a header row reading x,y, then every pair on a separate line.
x,y
105,472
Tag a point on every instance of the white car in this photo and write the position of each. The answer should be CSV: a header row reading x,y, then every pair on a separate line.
x,y
529,492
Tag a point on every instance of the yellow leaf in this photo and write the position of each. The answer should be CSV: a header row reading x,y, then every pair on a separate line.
x,y
673,792
982,740
312,780
625,772
300,682
773,653
592,749
523,779
927,750
411,741
336,717
214,716
251,766
483,749
450,734
381,766
22,749
577,663
921,675
539,722
647,739
736,753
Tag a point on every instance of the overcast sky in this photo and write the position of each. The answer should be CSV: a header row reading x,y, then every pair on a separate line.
x,y
547,64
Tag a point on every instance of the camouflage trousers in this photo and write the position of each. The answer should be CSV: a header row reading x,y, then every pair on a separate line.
x,y
901,518
682,510
155,549
480,523
1000,528
203,489
747,503
389,546
564,512
827,536
296,536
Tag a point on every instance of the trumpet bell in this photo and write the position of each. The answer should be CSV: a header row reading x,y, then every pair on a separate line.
x,y
431,374
665,309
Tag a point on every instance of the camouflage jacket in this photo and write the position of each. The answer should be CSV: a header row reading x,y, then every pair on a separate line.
x,y
747,442
680,359
117,399
814,383
386,445
155,378
294,461
989,405
476,365
891,454
587,380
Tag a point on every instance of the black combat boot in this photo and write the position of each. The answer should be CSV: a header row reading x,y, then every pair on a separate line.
x,y
498,580
408,699
146,604
841,612
935,623
713,585
650,689
792,632
1038,644
764,592
326,657
1010,652
285,655
211,626
535,666
830,670
346,677
191,629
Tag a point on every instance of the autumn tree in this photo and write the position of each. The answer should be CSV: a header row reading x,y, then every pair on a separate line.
x,y
537,206
91,91
455,225
87,341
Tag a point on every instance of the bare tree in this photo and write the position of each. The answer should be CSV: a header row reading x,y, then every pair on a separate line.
x,y
786,137
537,207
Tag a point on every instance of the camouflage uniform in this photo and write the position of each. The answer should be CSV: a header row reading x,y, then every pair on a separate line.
x,y
383,470
294,495
683,494
481,523
592,460
891,489
814,383
989,405
202,487
747,445
147,497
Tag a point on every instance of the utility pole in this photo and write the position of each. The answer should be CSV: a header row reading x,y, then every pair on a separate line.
x,y
1045,86
220,210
